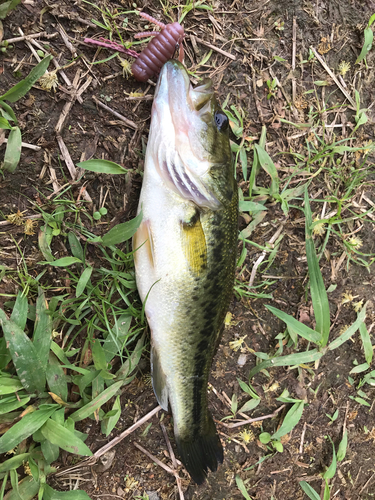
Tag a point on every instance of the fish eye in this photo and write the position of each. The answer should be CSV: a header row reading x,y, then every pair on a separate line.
x,y
221,121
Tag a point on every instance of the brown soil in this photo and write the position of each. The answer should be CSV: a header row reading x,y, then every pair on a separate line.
x,y
255,32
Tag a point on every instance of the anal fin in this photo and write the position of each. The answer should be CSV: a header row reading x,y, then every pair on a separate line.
x,y
159,382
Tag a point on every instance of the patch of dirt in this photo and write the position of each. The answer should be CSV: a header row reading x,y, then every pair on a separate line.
x,y
254,33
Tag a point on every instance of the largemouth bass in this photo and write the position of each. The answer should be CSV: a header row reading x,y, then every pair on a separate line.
x,y
185,255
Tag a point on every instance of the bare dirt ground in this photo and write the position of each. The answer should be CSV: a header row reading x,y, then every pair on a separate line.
x,y
253,32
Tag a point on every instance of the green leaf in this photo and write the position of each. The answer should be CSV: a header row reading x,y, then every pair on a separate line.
x,y
290,421
51,494
96,403
27,489
64,262
14,462
13,150
269,167
331,471
75,246
327,491
278,446
108,423
360,368
249,390
249,405
122,232
4,124
242,488
350,331
83,280
298,327
102,166
289,360
20,309
265,437
7,112
65,439
132,362
50,451
318,292
6,7
56,378
42,336
22,87
341,452
6,406
24,355
243,159
44,243
98,355
366,341
367,45
250,206
24,428
310,492
9,385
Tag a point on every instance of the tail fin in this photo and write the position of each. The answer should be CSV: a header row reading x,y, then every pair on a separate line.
x,y
201,452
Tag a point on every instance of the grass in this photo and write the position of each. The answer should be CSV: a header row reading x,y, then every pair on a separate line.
x,y
88,332
89,324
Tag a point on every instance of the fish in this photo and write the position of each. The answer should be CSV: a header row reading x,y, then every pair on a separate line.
x,y
185,255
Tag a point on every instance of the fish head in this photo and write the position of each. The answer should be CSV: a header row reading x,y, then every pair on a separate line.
x,y
189,139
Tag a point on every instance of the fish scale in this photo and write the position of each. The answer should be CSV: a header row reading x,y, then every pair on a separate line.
x,y
185,256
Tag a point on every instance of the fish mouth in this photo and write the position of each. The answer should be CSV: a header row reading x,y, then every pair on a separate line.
x,y
180,118
175,88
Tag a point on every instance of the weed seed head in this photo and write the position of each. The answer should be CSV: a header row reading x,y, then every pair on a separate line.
x,y
355,242
344,67
237,344
247,436
319,229
126,68
347,297
357,306
16,219
49,81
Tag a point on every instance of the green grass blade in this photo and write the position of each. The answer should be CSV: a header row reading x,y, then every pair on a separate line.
x,y
83,280
56,378
242,488
366,341
309,490
289,360
27,489
29,424
51,494
5,356
22,87
298,327
122,232
20,309
131,363
24,355
42,329
96,403
75,246
14,462
58,435
341,452
13,404
368,39
350,331
269,167
290,421
13,150
9,385
318,292
331,471
108,423
102,166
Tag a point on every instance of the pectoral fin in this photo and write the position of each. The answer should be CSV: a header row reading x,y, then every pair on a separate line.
x,y
159,382
194,244
143,244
